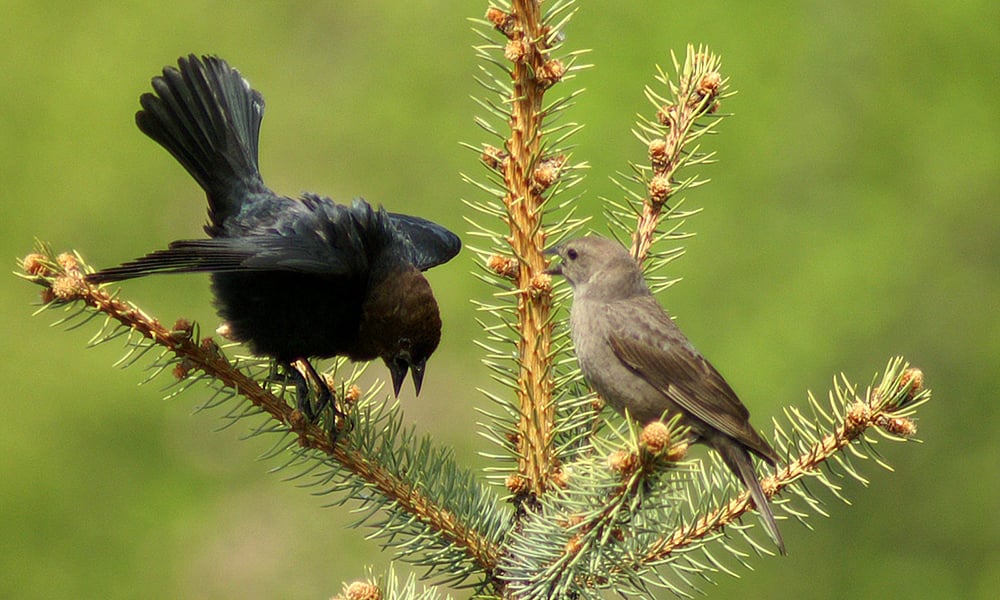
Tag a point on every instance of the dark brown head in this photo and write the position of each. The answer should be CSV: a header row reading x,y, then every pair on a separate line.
x,y
402,325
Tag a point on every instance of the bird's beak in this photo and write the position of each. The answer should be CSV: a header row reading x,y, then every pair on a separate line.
x,y
397,369
554,268
417,372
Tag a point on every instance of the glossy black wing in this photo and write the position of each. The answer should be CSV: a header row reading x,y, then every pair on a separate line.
x,y
424,244
319,239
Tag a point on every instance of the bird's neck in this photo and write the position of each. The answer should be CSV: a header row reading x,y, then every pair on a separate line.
x,y
605,288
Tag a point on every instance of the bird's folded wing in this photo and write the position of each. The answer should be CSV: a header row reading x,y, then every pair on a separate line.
x,y
372,231
650,348
425,243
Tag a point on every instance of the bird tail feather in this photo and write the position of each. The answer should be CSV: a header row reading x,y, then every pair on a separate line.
x,y
208,117
737,458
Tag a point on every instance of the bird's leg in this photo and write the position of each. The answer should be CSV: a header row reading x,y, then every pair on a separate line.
x,y
298,373
324,397
302,394
281,373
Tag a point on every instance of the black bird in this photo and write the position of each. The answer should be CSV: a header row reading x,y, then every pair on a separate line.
x,y
636,358
293,278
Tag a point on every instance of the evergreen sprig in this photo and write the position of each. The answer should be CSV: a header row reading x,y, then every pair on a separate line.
x,y
389,586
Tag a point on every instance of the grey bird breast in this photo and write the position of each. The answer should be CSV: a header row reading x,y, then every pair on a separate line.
x,y
594,324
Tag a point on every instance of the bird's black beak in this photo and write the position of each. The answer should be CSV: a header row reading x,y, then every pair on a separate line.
x,y
417,372
554,268
397,369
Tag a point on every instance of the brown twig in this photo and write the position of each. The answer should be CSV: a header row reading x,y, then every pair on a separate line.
x,y
696,95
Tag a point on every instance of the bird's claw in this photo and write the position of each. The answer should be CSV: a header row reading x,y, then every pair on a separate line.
x,y
304,402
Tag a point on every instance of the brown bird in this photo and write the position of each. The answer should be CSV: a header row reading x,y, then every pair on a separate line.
x,y
638,360
293,278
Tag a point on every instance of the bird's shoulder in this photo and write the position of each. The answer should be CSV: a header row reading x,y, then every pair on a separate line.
x,y
317,234
639,317
645,339
423,243
313,235
258,213
394,239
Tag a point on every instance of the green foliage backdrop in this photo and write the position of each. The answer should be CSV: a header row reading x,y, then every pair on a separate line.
x,y
853,216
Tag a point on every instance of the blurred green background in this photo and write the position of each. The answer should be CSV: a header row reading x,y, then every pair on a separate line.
x,y
853,216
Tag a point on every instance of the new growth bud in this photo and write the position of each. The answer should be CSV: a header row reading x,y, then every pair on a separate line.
x,y
541,284
900,426
550,73
503,266
361,590
655,437
69,287
516,50
517,484
857,418
35,264
659,189
182,330
621,461
913,379
494,157
68,262
505,23
352,395
709,85
547,172
658,156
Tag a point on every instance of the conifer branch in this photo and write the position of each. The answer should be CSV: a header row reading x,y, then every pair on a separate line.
x,y
886,408
63,284
605,529
532,74
388,586
695,95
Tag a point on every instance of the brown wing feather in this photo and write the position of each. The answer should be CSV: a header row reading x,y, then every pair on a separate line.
x,y
660,353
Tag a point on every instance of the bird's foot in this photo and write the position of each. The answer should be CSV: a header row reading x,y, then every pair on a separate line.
x,y
324,397
303,393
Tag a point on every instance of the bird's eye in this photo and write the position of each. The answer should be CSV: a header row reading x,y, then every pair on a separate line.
x,y
571,254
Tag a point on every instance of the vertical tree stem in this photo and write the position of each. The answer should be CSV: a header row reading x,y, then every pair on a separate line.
x,y
534,302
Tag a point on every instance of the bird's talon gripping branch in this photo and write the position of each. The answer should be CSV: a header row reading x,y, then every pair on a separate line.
x,y
324,397
303,402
